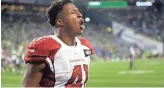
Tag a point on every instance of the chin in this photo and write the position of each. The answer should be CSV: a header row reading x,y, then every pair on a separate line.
x,y
80,33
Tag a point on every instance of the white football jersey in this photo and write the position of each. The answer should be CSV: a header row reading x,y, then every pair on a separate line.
x,y
68,65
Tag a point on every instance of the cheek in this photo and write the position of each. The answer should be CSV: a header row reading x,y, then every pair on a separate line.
x,y
72,18
71,21
68,20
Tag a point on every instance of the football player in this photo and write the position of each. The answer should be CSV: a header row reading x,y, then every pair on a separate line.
x,y
62,60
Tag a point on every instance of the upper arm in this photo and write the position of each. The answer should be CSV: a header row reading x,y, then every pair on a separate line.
x,y
33,74
35,57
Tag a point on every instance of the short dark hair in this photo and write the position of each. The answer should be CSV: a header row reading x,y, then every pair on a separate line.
x,y
54,9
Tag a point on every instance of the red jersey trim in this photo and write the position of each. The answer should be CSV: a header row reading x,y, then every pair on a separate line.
x,y
40,48
86,43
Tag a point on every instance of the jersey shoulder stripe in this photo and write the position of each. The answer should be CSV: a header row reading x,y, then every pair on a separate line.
x,y
87,44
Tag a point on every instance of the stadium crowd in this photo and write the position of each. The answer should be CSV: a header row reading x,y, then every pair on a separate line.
x,y
19,28
146,20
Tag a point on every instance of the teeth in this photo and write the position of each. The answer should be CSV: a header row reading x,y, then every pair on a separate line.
x,y
83,26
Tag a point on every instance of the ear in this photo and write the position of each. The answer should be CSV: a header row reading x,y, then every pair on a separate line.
x,y
59,22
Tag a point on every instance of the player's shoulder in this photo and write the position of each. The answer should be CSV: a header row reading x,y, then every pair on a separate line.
x,y
43,39
44,42
84,41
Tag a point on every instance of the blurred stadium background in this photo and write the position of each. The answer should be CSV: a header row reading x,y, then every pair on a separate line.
x,y
112,27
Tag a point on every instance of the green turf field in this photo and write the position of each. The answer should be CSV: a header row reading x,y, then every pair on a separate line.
x,y
110,74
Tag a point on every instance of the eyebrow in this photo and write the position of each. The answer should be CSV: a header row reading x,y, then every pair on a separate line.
x,y
74,9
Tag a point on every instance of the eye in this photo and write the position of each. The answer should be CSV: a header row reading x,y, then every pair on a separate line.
x,y
72,12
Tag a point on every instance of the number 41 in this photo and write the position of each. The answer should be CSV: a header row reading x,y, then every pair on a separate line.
x,y
77,73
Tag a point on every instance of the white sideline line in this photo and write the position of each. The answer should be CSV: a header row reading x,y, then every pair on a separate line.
x,y
136,72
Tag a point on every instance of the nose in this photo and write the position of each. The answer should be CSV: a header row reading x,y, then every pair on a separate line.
x,y
79,15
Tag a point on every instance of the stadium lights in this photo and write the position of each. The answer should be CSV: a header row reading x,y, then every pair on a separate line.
x,y
107,4
87,19
147,3
13,7
94,3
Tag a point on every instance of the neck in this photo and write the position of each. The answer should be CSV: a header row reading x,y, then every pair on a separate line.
x,y
69,40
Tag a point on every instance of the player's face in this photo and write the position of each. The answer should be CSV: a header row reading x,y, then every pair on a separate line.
x,y
73,21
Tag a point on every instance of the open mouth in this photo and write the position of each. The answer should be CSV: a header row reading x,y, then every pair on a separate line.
x,y
82,24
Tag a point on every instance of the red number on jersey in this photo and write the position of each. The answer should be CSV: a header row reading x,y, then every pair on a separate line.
x,y
77,73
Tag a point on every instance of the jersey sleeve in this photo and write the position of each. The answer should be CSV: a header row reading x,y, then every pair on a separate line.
x,y
36,51
87,44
